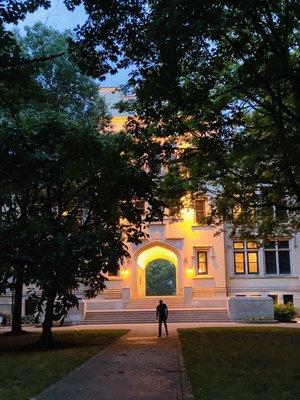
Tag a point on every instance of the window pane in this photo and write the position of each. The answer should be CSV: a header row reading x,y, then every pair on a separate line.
x,y
284,262
270,245
200,210
251,245
252,262
288,298
239,263
238,245
270,257
202,262
283,244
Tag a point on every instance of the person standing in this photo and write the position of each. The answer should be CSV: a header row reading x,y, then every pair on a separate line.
x,y
162,316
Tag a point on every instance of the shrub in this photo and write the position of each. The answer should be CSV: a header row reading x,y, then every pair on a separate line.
x,y
284,312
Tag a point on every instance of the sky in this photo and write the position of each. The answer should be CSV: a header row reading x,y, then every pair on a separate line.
x,y
58,17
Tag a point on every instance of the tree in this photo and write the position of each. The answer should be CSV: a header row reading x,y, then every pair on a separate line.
x,y
65,186
224,76
160,278
79,203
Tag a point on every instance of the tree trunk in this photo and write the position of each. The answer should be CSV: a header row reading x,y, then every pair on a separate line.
x,y
16,327
47,338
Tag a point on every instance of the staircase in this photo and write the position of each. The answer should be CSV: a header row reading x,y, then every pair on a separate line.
x,y
148,316
150,302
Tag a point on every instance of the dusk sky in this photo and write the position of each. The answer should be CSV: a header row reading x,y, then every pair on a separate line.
x,y
60,18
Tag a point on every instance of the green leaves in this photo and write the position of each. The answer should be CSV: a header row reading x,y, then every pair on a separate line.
x,y
222,76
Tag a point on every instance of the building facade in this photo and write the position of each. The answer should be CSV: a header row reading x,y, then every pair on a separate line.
x,y
209,266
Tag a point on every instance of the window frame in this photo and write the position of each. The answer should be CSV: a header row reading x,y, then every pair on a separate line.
x,y
245,249
199,251
196,219
276,249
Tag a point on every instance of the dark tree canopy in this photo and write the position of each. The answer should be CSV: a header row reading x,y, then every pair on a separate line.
x,y
224,75
70,190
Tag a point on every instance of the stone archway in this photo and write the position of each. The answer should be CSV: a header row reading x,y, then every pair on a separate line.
x,y
147,255
160,278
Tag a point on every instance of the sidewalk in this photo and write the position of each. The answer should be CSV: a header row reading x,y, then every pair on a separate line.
x,y
137,366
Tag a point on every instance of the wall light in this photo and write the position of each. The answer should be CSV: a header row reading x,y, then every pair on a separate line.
x,y
125,273
190,272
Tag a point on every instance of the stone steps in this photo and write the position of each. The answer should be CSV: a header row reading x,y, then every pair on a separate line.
x,y
148,316
150,302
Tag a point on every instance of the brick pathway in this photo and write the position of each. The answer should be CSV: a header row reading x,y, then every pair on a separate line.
x,y
138,366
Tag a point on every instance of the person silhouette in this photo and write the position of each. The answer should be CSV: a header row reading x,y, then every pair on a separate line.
x,y
162,316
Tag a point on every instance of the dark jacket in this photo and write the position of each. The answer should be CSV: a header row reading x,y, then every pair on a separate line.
x,y
162,311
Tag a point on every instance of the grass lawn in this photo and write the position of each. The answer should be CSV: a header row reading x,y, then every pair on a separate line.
x,y
26,370
254,363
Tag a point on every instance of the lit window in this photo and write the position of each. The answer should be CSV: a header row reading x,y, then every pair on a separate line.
x,y
252,257
202,262
245,257
277,258
239,262
238,245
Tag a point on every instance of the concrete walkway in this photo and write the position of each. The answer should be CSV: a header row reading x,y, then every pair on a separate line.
x,y
137,366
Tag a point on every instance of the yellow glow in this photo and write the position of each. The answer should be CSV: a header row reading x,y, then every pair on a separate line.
x,y
190,272
118,123
154,253
125,273
187,214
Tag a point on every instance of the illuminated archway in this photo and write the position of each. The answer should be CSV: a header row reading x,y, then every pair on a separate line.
x,y
150,253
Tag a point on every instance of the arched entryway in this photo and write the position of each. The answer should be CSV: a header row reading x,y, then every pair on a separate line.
x,y
151,258
160,278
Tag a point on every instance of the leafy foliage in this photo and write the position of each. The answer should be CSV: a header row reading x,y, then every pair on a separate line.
x,y
284,312
160,278
224,77
67,184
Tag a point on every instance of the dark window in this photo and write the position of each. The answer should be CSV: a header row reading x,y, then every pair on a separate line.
x,y
277,257
202,262
114,273
288,298
200,210
270,245
283,244
284,262
270,258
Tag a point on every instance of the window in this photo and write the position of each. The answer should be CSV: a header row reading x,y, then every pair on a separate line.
x,y
202,268
200,210
174,212
288,299
116,272
277,257
245,257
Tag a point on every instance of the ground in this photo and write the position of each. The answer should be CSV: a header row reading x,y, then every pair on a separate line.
x,y
243,363
26,370
224,361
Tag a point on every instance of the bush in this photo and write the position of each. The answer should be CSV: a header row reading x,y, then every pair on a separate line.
x,y
284,312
